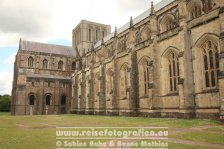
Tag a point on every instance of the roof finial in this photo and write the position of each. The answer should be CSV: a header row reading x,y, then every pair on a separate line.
x,y
131,22
152,8
20,43
115,32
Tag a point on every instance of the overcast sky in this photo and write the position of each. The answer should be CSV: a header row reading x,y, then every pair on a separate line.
x,y
52,21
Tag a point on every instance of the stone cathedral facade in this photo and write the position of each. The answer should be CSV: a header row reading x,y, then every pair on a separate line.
x,y
167,62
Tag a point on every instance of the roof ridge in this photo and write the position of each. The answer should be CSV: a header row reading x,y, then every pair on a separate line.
x,y
36,42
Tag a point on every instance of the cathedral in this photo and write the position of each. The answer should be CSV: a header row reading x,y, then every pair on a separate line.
x,y
167,62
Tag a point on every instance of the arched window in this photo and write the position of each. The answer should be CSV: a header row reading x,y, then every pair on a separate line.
x,y
63,100
167,23
73,65
207,5
145,35
124,78
196,12
109,81
48,100
30,61
123,44
137,37
60,65
211,64
31,100
146,71
195,8
173,71
45,64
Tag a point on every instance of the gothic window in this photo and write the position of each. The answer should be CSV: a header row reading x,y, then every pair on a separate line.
x,y
137,37
63,100
45,64
31,100
30,61
207,5
109,81
167,23
195,12
123,45
211,64
194,9
145,35
60,65
145,76
48,100
146,69
73,65
173,71
124,78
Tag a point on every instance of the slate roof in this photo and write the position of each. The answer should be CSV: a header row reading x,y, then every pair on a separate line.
x,y
136,20
47,48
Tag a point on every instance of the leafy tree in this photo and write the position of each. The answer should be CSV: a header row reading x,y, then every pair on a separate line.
x,y
5,103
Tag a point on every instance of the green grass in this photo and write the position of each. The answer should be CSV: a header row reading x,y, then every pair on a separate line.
x,y
183,146
38,132
201,136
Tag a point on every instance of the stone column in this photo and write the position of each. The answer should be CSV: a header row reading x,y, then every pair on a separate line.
x,y
83,93
76,98
181,80
134,86
102,94
186,92
115,110
150,100
221,64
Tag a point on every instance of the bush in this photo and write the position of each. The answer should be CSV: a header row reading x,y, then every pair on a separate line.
x,y
5,103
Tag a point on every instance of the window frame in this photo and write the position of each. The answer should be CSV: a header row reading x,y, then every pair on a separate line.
x,y
207,56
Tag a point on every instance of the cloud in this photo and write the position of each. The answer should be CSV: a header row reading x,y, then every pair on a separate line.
x,y
11,59
25,18
5,82
44,20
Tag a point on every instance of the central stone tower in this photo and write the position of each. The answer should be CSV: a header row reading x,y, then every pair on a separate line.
x,y
87,33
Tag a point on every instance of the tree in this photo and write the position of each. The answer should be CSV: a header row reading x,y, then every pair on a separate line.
x,y
5,103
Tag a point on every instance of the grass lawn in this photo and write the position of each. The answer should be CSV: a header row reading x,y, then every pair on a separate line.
x,y
38,132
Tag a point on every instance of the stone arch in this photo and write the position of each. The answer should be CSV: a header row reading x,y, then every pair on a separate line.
x,y
73,65
45,63
124,80
144,58
48,99
109,80
145,33
137,36
63,99
167,22
60,65
32,99
206,62
145,75
170,49
194,8
30,61
205,37
170,70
